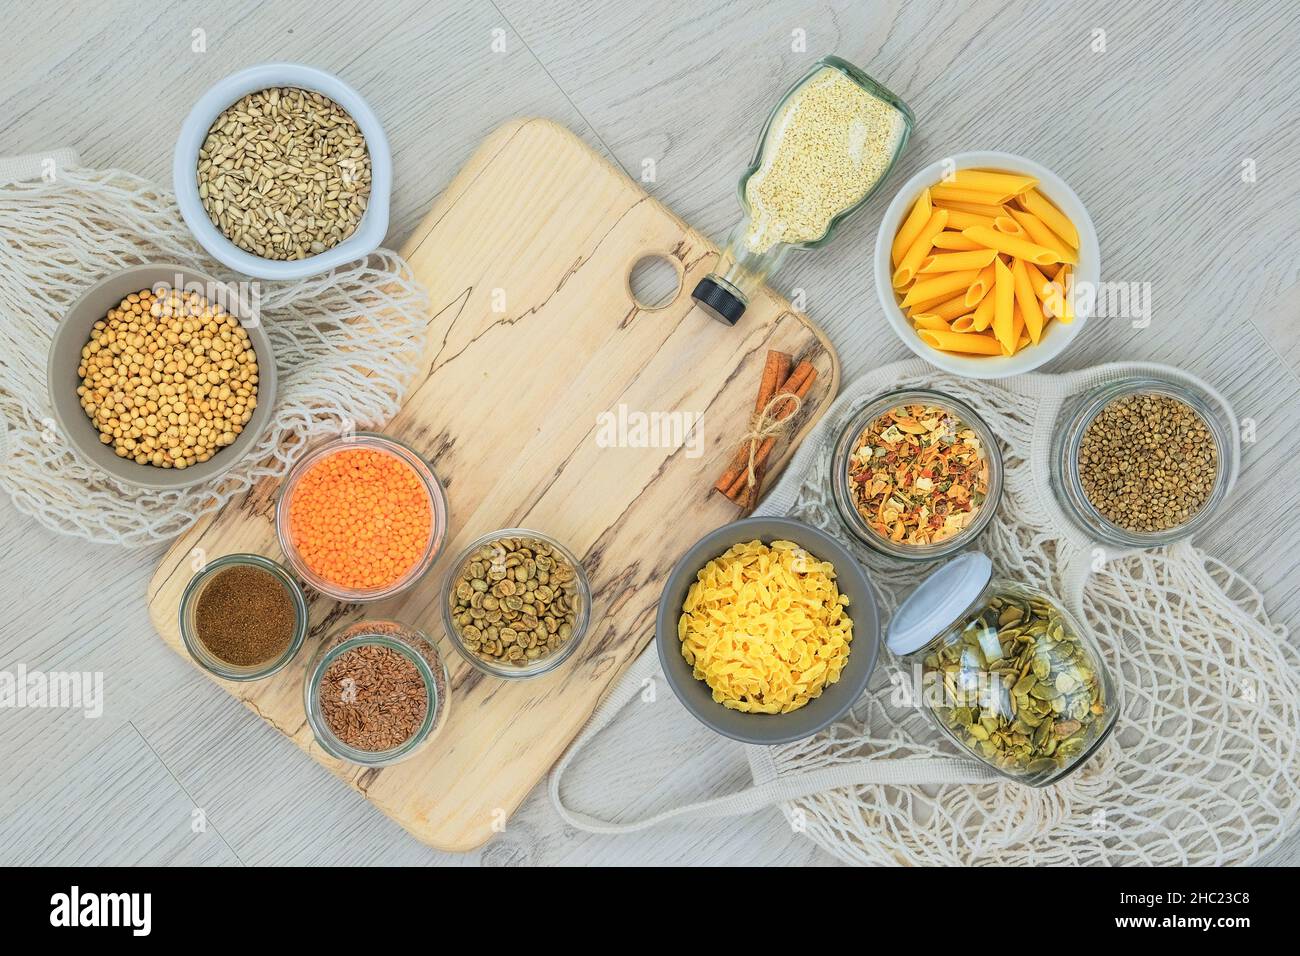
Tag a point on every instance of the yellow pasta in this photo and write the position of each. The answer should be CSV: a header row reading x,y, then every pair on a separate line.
x,y
766,627
911,227
1038,232
963,323
1017,332
945,308
919,248
979,289
1026,302
1008,225
987,210
964,218
982,318
1004,294
1034,201
972,343
1011,245
986,181
928,320
957,261
951,193
955,241
1065,296
924,290
1042,287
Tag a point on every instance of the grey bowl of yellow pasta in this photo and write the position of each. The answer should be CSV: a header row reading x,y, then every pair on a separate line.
x,y
787,653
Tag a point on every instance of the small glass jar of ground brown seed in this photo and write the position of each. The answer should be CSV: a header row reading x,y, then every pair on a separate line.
x,y
243,617
516,603
1144,461
376,692
1004,671
829,142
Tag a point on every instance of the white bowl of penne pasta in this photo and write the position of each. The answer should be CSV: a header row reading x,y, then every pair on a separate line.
x,y
987,264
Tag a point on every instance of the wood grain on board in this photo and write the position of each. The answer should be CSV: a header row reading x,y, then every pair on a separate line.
x,y
534,336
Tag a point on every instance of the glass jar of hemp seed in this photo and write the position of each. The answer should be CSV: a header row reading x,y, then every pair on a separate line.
x,y
1006,672
827,145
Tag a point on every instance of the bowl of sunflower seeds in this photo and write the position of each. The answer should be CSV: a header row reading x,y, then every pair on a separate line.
x,y
283,171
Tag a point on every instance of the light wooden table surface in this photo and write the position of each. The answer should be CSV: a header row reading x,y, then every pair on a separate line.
x,y
1153,131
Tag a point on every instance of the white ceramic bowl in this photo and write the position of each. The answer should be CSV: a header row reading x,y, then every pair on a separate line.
x,y
1058,336
370,231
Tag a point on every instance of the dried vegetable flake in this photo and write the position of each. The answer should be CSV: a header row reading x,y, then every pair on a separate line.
x,y
918,475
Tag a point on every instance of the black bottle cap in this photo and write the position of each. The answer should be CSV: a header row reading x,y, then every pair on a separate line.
x,y
719,302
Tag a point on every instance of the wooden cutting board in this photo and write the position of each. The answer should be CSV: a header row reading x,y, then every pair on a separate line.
x,y
533,334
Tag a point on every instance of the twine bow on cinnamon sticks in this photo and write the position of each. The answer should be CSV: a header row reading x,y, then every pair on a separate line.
x,y
780,394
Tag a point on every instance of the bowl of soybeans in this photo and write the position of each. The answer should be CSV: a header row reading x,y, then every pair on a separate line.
x,y
283,171
161,377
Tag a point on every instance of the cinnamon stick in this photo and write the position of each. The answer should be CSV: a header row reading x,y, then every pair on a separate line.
x,y
776,370
799,383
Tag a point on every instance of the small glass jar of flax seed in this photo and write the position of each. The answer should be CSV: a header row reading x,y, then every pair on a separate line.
x,y
828,143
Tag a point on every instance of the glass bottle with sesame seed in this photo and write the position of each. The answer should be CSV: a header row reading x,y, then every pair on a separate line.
x,y
828,143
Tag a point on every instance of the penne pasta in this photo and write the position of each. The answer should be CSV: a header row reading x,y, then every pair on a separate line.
x,y
979,289
960,342
948,239
1017,332
928,320
1012,245
911,227
945,309
988,211
957,261
991,182
952,193
1036,231
1010,226
919,248
1065,283
983,263
946,282
983,314
1034,201
1003,304
1042,287
1026,302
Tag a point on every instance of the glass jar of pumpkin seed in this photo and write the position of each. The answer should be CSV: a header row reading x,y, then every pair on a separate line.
x,y
827,145
1007,673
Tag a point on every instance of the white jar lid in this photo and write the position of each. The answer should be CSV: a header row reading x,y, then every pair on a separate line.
x,y
938,601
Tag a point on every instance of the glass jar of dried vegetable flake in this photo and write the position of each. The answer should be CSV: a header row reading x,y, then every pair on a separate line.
x,y
826,146
916,474
1005,672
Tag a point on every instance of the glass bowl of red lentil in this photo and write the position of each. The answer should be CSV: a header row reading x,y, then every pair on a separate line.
x,y
514,566
1144,461
375,692
916,474
361,518
243,617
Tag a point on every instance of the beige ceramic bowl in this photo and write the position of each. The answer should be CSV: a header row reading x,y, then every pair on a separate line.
x,y
65,355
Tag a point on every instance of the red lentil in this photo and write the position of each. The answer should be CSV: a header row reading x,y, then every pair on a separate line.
x,y
360,518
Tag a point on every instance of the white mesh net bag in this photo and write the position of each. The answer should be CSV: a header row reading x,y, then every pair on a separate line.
x,y
347,343
1203,767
